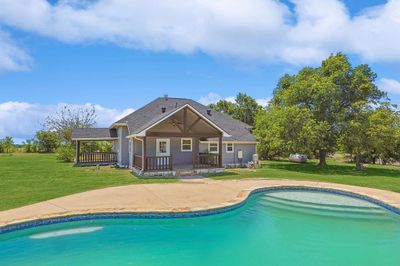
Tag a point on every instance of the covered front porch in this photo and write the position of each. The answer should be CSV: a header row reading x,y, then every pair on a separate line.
x,y
173,146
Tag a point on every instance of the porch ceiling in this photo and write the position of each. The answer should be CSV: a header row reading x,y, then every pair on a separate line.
x,y
184,123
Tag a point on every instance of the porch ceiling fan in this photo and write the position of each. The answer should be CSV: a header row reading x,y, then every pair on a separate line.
x,y
175,122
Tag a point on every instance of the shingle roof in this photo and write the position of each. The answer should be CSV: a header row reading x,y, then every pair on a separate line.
x,y
94,133
151,113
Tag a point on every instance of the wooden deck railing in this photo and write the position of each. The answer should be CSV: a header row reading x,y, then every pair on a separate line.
x,y
137,161
98,157
159,163
205,160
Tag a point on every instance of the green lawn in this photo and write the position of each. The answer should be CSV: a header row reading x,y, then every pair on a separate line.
x,y
30,178
375,176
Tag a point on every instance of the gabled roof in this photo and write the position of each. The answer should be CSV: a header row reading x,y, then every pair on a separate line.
x,y
94,134
151,113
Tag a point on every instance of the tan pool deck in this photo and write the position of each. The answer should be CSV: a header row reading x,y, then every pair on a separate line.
x,y
185,195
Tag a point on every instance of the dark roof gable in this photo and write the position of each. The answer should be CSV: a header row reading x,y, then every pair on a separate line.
x,y
152,112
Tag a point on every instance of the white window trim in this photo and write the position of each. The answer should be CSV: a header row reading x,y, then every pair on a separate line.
x,y
191,144
226,147
213,142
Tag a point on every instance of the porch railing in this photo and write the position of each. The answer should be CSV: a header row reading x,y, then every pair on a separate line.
x,y
98,157
137,161
157,163
205,160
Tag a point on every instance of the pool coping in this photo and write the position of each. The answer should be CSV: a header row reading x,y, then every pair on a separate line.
x,y
240,200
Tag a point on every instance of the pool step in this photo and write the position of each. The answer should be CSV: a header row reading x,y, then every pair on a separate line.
x,y
331,210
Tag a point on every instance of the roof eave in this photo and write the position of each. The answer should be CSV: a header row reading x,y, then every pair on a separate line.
x,y
97,139
114,125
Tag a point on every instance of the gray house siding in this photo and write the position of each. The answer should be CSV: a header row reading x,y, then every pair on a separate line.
x,y
231,158
248,151
179,157
123,146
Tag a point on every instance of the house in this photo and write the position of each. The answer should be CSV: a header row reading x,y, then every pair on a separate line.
x,y
171,136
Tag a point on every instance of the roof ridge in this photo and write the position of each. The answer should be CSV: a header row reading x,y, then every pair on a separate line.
x,y
135,111
176,98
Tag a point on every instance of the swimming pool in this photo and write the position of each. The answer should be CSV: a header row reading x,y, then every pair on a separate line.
x,y
280,227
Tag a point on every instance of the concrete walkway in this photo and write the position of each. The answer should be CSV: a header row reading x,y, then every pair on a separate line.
x,y
186,195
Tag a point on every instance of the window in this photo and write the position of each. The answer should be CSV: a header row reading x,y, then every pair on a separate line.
x,y
213,147
230,148
186,144
162,147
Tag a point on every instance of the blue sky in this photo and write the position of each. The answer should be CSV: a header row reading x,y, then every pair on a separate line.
x,y
76,53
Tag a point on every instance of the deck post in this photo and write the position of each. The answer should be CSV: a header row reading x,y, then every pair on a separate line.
x,y
193,160
77,152
220,151
144,153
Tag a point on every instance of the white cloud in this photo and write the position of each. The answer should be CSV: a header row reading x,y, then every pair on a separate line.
x,y
263,102
389,85
12,57
21,119
213,97
261,30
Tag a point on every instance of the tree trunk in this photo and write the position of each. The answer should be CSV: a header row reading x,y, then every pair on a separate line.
x,y
359,165
374,160
322,158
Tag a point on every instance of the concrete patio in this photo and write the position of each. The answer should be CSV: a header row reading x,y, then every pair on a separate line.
x,y
186,195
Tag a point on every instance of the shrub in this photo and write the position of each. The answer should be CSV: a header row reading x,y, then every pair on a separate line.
x,y
7,145
66,153
31,145
48,141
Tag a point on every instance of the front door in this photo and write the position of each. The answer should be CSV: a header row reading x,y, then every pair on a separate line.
x,y
162,149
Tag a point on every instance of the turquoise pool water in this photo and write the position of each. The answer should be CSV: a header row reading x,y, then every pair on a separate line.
x,y
275,228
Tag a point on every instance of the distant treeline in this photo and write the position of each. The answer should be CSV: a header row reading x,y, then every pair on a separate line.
x,y
56,135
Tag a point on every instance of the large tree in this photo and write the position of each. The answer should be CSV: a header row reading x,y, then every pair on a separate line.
x,y
244,108
356,139
330,94
372,132
275,140
224,106
69,118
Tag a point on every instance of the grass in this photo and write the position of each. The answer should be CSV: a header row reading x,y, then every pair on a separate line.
x,y
31,178
375,176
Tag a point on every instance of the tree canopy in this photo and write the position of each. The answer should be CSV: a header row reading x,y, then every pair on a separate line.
x,y
373,133
325,98
244,108
69,118
47,141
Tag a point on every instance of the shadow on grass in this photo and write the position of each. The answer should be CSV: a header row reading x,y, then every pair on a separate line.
x,y
332,169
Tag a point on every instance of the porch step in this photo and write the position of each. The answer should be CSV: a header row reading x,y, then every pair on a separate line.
x,y
186,173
